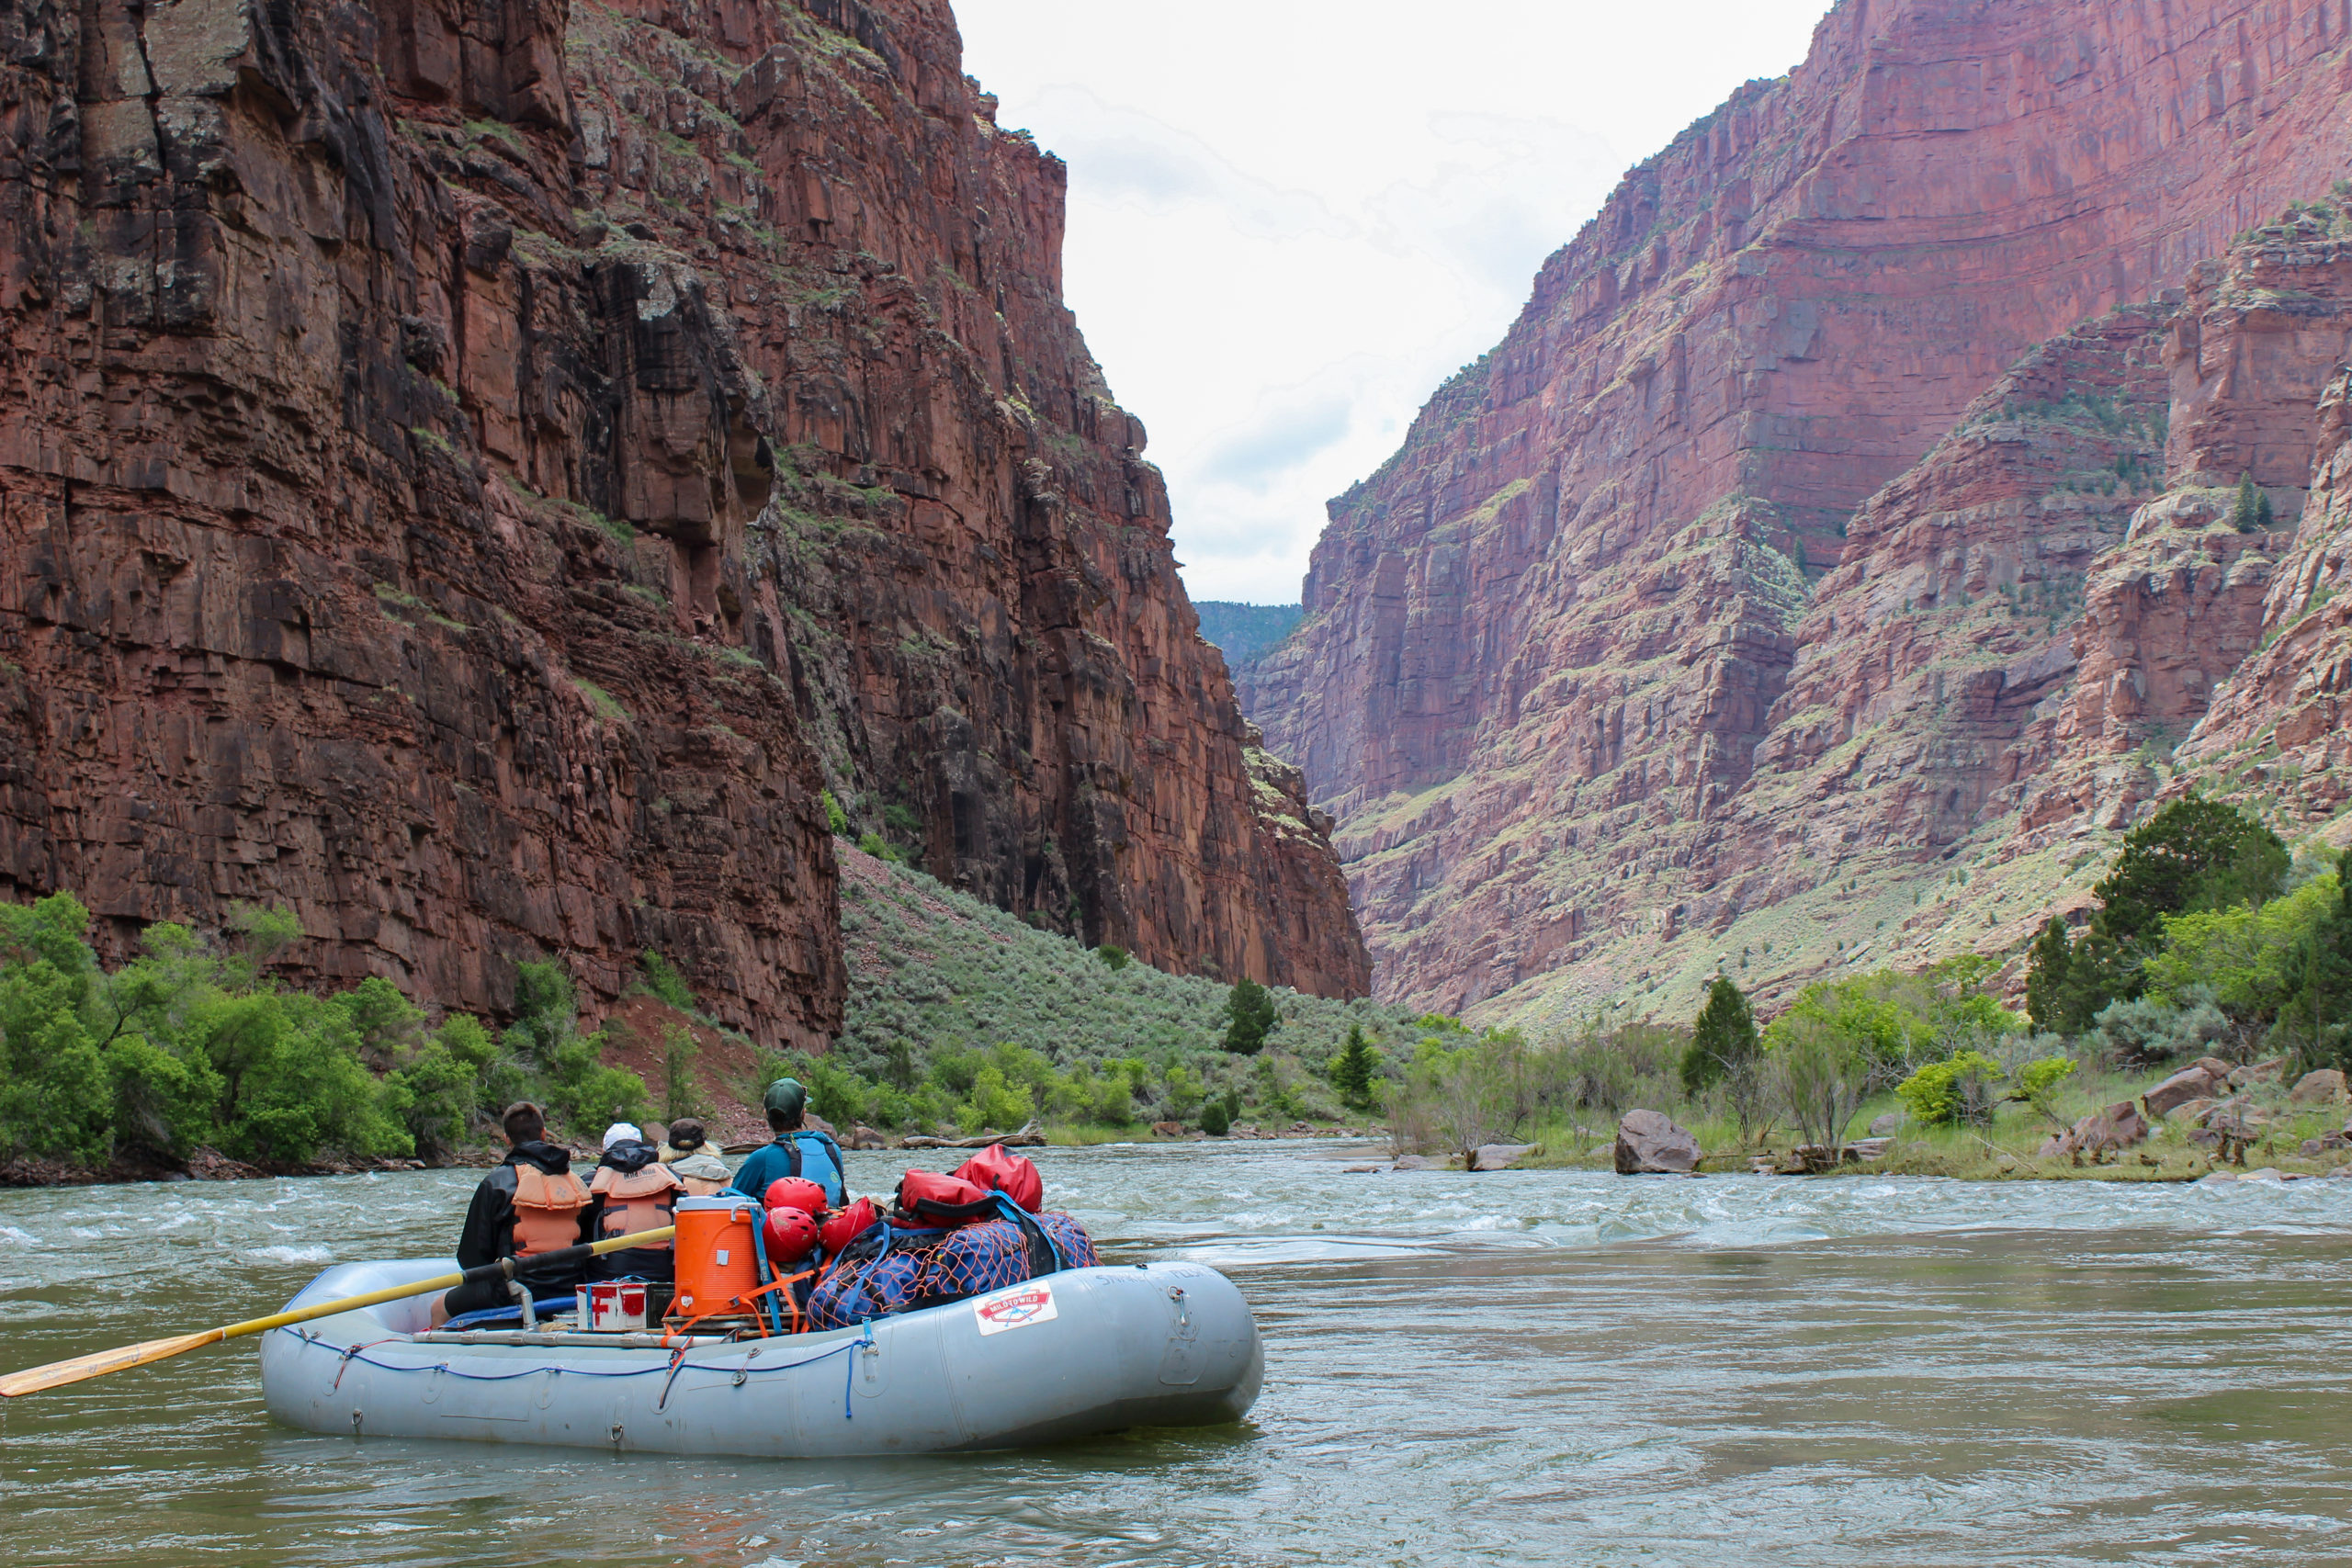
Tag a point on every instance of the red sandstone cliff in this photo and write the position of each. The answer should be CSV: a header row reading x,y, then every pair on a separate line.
x,y
1550,641
2276,732
472,474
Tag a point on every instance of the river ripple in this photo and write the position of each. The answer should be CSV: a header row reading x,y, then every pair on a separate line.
x,y
1524,1367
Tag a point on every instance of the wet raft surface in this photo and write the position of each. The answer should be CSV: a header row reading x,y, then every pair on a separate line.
x,y
1502,1369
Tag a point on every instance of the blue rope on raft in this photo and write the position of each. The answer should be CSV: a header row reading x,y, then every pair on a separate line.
x,y
849,1379
747,1369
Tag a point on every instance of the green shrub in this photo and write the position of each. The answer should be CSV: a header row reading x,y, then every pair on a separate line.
x,y
1114,958
996,1104
585,1093
1958,1089
1182,1094
1215,1120
2036,1083
441,1084
662,978
836,819
681,1096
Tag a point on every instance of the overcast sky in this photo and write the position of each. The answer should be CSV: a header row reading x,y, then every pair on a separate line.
x,y
1290,219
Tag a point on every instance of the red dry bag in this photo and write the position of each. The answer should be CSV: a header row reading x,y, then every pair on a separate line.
x,y
929,1197
995,1168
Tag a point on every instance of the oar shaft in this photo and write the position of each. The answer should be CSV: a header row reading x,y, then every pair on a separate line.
x,y
57,1374
505,1268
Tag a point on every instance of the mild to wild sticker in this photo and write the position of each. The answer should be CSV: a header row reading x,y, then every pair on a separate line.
x,y
1015,1307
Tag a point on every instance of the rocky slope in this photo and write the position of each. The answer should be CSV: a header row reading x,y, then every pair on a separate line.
x,y
1623,563
475,476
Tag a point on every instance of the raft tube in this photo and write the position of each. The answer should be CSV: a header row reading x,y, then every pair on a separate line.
x,y
1069,1355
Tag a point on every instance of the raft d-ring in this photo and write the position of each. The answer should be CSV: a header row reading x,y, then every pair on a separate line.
x,y
742,1374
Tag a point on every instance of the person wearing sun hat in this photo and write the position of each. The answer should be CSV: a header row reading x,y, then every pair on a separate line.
x,y
632,1190
687,1152
798,1149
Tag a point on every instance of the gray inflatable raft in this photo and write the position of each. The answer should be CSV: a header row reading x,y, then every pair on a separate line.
x,y
1084,1351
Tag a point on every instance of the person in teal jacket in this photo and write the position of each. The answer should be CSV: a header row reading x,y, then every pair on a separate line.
x,y
798,1150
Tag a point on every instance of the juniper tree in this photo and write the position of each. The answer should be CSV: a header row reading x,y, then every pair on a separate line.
x,y
1249,1018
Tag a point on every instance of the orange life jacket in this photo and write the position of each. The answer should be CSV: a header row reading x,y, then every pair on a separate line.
x,y
546,1210
642,1200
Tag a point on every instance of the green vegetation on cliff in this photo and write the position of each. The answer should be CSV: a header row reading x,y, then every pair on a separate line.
x,y
945,989
195,1043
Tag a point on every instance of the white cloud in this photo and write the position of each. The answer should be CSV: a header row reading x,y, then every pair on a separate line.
x,y
1290,219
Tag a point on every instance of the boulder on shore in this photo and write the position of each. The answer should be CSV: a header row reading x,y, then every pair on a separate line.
x,y
1649,1144
2108,1130
2324,1087
1887,1124
1500,1156
2189,1083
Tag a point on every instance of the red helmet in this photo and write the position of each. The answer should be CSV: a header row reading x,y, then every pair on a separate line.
x,y
793,1192
848,1226
791,1236
996,1169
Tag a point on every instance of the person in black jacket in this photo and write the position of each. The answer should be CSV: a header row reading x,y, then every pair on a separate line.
x,y
491,1220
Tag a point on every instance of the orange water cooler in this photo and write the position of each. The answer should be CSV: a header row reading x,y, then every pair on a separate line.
x,y
717,1267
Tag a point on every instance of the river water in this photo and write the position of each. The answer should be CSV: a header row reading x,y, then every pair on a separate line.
x,y
1522,1367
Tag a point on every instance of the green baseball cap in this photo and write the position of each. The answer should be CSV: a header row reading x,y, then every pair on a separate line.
x,y
786,1096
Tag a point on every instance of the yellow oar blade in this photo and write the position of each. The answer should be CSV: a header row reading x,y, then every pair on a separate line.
x,y
57,1374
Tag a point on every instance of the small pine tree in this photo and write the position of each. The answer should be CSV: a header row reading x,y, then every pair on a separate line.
x,y
2045,978
2247,515
1352,1070
2264,518
1249,1018
1215,1119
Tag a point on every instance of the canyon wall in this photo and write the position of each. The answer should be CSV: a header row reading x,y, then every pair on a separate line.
x,y
1585,660
478,475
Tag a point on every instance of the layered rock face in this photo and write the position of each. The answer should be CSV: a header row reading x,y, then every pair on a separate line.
x,y
456,460
317,591
1547,641
2175,615
2277,732
967,565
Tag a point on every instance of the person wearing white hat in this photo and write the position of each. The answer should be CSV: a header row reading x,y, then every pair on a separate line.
x,y
632,1190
